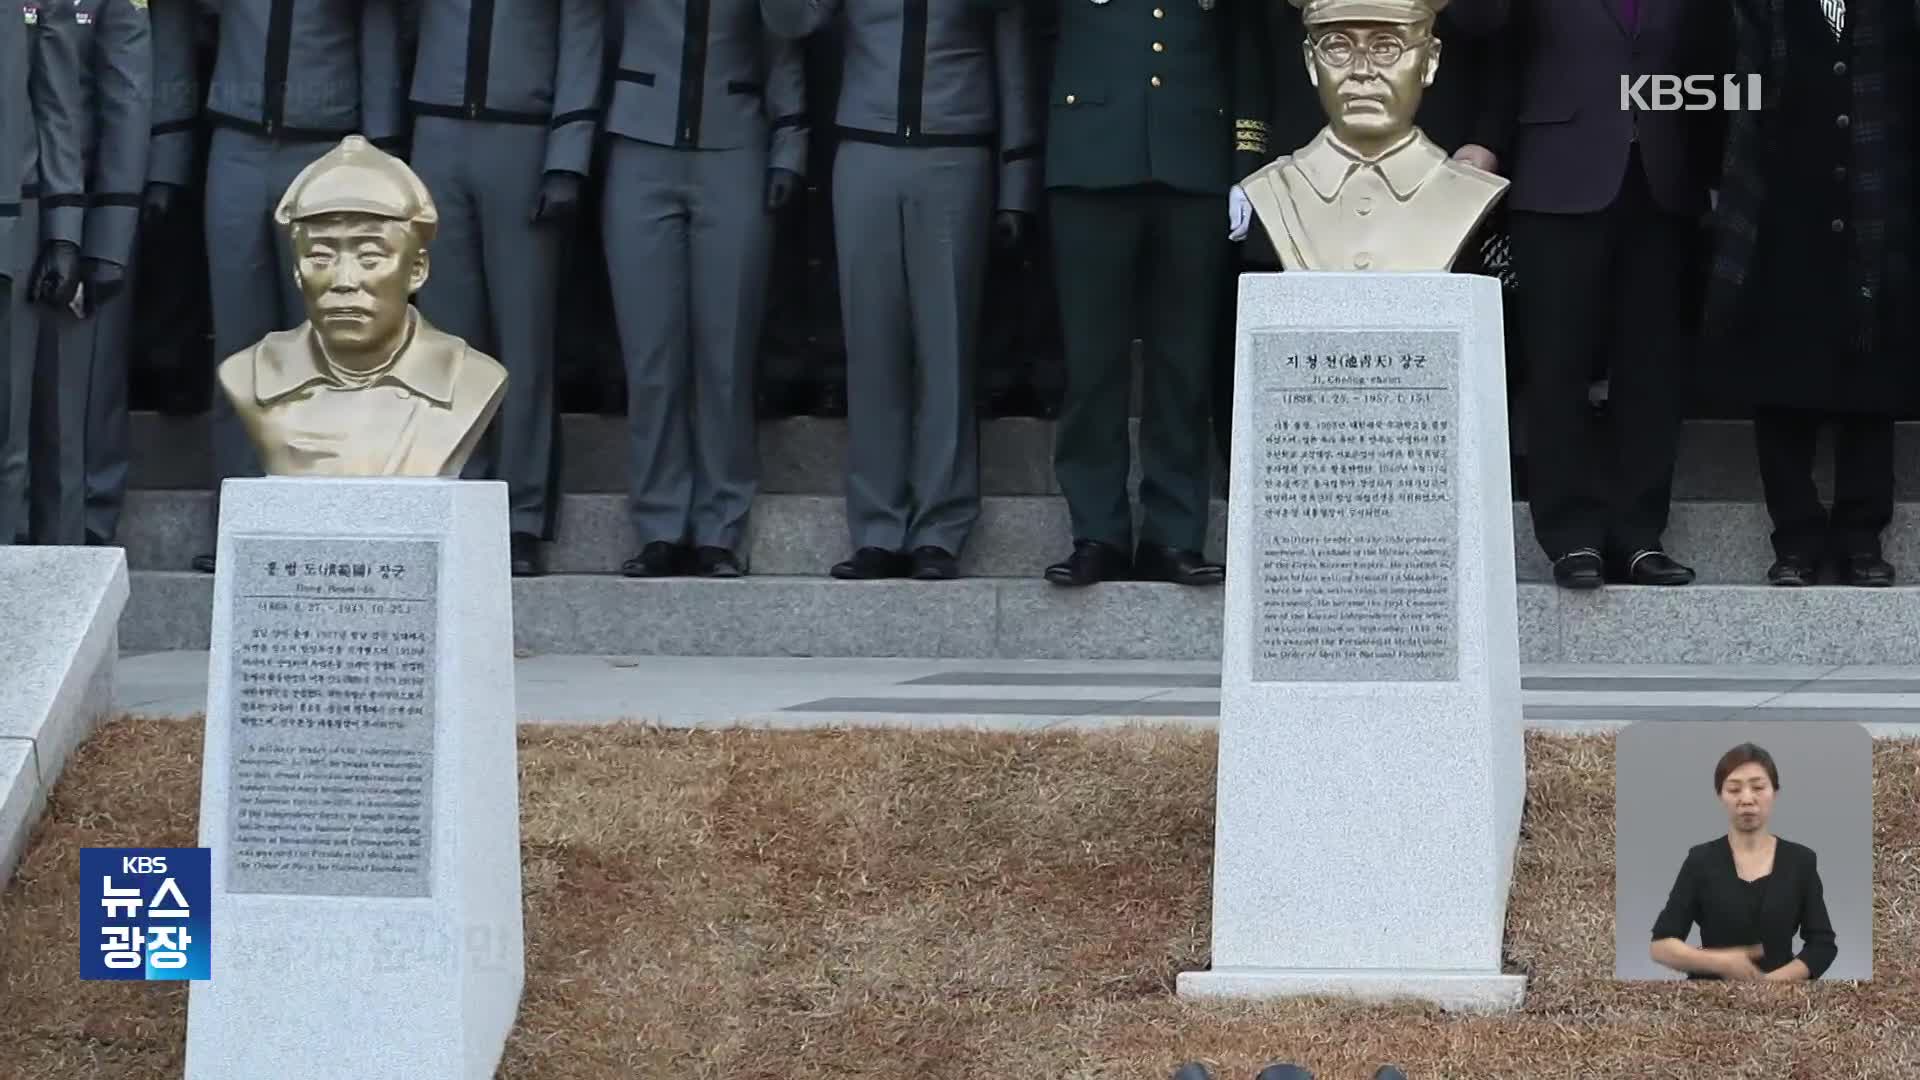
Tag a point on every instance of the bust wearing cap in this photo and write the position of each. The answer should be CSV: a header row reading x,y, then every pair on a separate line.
x,y
366,386
1370,191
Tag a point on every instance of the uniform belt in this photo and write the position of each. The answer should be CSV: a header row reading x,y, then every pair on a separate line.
x,y
478,112
918,138
648,78
113,198
255,127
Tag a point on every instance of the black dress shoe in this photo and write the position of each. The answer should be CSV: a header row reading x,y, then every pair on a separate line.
x,y
1868,571
1793,572
871,564
203,563
658,559
1284,1071
1388,1072
529,558
1157,562
1192,1070
934,564
1656,567
1582,569
1091,563
716,562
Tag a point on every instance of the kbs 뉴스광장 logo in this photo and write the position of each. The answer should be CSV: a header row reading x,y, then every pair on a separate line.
x,y
145,913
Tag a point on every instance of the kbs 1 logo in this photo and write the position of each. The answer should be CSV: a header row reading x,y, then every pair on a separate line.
x,y
1692,93
144,913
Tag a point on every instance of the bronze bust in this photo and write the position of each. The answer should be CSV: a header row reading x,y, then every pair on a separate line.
x,y
366,386
1370,191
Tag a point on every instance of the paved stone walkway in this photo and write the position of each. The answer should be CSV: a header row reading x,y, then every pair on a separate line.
x,y
1016,695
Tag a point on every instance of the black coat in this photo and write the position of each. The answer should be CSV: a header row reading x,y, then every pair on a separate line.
x,y
1731,913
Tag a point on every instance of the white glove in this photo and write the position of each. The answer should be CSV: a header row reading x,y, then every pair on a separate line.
x,y
1239,214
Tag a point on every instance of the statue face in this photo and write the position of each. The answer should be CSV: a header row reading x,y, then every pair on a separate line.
x,y
358,273
1371,76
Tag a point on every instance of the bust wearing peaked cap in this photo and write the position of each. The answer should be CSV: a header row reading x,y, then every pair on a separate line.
x,y
366,386
1370,191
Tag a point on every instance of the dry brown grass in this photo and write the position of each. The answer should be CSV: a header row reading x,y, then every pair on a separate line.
x,y
769,906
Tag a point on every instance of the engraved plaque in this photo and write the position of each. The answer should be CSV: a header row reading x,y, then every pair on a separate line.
x,y
331,684
1355,528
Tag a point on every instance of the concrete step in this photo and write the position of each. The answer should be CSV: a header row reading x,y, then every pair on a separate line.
x,y
1017,537
1012,618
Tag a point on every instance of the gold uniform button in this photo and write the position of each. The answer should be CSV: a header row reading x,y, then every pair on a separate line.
x,y
1157,47
1071,99
1156,80
1158,14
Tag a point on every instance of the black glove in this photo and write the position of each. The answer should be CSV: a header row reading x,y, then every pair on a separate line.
x,y
158,202
56,274
105,280
781,185
1009,229
559,199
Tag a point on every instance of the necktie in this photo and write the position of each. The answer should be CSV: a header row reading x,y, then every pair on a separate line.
x,y
1630,13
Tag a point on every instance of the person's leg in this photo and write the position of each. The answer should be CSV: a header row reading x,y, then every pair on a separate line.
x,y
1784,441
17,365
1862,497
57,430
1099,243
1648,378
869,184
1188,266
644,221
949,219
522,270
108,449
1562,261
730,240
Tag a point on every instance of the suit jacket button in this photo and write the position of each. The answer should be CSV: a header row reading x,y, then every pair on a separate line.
x,y
1155,80
1841,121
1838,225
1071,99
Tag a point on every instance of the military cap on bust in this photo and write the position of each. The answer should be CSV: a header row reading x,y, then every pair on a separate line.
x,y
1320,12
357,177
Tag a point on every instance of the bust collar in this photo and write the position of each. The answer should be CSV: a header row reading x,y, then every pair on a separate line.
x,y
286,364
1327,162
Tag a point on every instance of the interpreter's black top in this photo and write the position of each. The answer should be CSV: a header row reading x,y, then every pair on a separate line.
x,y
1732,913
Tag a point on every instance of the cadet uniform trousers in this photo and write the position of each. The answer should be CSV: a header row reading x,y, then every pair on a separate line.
x,y
249,265
23,351
496,284
108,439
912,226
1146,263
687,239
57,430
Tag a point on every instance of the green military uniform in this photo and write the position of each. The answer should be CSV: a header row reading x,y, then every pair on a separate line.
x,y
1156,108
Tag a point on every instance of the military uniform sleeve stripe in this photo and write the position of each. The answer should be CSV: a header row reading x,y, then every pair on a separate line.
x,y
55,202
1021,153
795,120
174,127
116,198
575,117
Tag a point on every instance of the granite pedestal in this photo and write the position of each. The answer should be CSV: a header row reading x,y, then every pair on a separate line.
x,y
1371,767
59,636
360,791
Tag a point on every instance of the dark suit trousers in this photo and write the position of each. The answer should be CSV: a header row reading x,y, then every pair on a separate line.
x,y
1862,482
1602,288
1147,263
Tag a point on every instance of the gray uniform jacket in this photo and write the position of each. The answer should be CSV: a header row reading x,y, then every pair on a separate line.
x,y
516,62
176,93
116,85
308,69
938,73
710,75
46,121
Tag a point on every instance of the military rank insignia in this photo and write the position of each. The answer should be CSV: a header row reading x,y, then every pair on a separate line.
x,y
30,13
141,4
